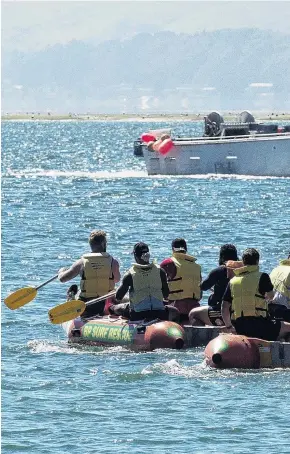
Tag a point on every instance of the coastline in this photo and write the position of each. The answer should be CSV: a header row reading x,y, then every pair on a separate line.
x,y
228,116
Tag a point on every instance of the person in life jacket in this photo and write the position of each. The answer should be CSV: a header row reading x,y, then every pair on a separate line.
x,y
147,286
280,278
98,271
217,281
183,277
245,302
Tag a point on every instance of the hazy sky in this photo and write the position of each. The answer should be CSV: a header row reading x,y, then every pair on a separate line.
x,y
31,25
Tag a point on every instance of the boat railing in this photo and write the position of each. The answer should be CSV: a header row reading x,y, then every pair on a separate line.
x,y
252,135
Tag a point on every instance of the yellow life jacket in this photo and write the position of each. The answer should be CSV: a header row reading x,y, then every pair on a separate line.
x,y
147,286
247,301
97,277
186,283
280,278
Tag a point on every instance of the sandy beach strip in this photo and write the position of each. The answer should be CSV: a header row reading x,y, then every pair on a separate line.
x,y
228,116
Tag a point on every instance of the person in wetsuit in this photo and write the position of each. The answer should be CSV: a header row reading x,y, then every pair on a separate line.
x,y
217,280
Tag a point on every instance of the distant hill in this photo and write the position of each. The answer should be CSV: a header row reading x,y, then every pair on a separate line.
x,y
153,72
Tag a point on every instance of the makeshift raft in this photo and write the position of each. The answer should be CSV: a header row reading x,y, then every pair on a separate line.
x,y
141,336
235,351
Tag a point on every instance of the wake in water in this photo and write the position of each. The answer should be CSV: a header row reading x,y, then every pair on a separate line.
x,y
201,370
105,174
38,346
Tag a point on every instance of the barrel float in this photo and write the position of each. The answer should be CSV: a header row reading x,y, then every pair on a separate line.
x,y
148,137
111,330
232,351
236,351
165,146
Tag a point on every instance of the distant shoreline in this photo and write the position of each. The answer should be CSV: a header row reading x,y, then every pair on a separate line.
x,y
228,116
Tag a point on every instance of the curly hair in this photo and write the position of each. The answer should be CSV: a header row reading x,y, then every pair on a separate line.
x,y
227,252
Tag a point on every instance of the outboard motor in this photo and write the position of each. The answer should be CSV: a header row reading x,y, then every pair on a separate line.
x,y
138,147
212,124
246,117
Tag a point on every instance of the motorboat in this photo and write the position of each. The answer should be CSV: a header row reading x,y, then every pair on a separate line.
x,y
243,147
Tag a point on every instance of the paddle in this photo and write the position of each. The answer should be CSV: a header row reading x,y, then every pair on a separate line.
x,y
66,311
72,309
24,295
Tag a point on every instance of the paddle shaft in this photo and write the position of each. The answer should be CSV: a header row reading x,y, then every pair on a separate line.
x,y
47,282
101,298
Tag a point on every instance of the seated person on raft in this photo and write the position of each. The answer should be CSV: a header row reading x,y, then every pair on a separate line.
x,y
98,270
183,277
147,286
217,280
245,305
280,278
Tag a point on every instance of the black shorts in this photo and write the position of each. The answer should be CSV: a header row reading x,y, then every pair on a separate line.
x,y
279,312
215,316
124,310
262,328
94,309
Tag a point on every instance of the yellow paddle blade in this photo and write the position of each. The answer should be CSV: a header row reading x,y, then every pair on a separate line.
x,y
20,297
66,311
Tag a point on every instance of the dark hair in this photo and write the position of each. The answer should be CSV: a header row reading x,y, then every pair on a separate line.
x,y
289,255
140,248
97,238
179,243
228,252
250,256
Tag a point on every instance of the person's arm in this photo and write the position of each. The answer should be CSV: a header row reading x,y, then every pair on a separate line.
x,y
74,271
127,282
226,316
169,267
116,270
266,287
201,293
225,309
211,280
165,288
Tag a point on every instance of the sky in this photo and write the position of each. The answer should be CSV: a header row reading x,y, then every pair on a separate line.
x,y
33,25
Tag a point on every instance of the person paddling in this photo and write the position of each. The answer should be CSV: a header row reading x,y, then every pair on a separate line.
x,y
245,302
99,273
147,286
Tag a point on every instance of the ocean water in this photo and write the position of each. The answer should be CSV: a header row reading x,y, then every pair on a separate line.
x,y
60,180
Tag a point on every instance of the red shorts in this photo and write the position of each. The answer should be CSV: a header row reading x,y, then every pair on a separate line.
x,y
184,306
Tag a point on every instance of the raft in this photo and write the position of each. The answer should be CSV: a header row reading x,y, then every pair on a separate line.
x,y
140,336
235,351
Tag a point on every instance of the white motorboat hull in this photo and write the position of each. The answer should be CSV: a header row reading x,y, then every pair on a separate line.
x,y
258,155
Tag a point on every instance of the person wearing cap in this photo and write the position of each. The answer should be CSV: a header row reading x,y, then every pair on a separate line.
x,y
98,270
183,277
217,281
280,278
147,286
245,302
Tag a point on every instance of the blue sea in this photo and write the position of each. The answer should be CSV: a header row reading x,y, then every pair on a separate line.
x,y
60,180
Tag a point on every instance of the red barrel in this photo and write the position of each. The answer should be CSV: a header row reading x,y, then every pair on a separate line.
x,y
232,351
